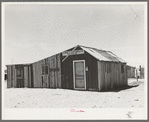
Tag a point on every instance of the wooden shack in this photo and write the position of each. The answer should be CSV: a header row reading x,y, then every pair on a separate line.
x,y
78,68
131,72
86,68
19,76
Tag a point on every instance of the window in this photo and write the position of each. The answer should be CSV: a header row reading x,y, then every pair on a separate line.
x,y
19,73
108,69
44,70
122,68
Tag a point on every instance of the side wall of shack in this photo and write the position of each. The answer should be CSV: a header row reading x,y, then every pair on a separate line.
x,y
131,72
112,79
8,76
13,80
11,76
28,76
50,80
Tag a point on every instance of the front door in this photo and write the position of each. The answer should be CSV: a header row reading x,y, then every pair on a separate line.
x,y
79,75
20,80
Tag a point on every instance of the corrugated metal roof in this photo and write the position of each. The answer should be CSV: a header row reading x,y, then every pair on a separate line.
x,y
102,55
95,54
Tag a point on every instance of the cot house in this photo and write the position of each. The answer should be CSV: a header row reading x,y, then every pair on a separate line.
x,y
78,68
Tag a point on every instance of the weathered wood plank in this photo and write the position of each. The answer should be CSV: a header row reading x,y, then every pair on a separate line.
x,y
125,75
37,70
30,75
26,76
52,84
106,76
14,76
50,79
102,76
44,83
119,71
59,71
99,76
111,76
9,77
116,84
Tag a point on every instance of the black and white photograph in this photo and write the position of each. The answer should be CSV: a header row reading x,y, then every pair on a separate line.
x,y
74,60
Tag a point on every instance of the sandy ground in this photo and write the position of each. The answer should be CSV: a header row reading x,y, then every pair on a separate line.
x,y
133,96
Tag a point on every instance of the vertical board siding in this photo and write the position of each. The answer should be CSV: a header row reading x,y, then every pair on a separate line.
x,y
54,66
99,76
30,75
125,75
110,79
117,76
37,74
113,79
103,76
106,79
112,75
53,78
121,77
52,84
119,72
50,71
14,77
9,77
25,76
58,72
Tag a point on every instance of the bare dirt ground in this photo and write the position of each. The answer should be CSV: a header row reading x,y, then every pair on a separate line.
x,y
131,97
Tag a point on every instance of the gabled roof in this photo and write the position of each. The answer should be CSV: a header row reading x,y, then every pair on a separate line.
x,y
102,55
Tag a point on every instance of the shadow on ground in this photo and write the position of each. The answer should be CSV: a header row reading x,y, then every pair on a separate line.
x,y
112,90
120,88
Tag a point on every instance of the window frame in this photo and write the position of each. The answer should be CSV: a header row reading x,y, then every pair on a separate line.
x,y
45,69
20,75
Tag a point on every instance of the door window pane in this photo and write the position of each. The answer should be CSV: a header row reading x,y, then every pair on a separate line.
x,y
79,75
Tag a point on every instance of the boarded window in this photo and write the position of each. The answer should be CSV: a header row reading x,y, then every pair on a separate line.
x,y
18,72
122,68
108,69
45,70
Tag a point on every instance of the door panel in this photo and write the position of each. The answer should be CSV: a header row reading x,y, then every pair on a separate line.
x,y
20,83
79,75
45,81
20,80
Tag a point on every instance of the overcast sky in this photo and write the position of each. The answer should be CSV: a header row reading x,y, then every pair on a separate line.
x,y
36,31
